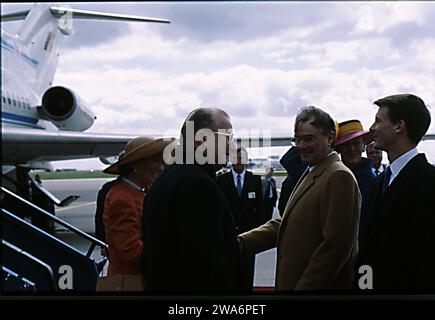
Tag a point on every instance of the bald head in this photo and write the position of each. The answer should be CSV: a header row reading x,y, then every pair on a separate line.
x,y
205,118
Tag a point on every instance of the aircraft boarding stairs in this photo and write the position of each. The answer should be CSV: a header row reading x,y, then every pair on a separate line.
x,y
36,261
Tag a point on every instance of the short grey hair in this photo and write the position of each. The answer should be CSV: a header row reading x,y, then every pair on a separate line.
x,y
320,119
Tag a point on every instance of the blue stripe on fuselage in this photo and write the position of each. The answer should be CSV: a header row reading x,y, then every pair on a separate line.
x,y
18,117
33,62
7,45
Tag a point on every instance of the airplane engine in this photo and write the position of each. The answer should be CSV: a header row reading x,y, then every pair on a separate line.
x,y
66,110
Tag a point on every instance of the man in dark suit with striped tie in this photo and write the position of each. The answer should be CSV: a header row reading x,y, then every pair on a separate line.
x,y
376,156
243,191
400,245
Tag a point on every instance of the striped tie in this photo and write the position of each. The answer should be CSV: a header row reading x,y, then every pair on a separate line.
x,y
387,177
239,185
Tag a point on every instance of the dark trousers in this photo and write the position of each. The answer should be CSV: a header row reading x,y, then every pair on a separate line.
x,y
38,219
246,275
269,204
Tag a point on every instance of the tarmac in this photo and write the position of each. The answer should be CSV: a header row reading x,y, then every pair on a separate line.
x,y
81,215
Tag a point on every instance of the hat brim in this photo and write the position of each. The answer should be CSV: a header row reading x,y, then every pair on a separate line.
x,y
367,137
141,152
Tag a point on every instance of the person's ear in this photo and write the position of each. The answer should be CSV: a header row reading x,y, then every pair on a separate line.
x,y
331,138
400,127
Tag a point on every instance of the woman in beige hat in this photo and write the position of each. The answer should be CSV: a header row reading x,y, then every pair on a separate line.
x,y
138,167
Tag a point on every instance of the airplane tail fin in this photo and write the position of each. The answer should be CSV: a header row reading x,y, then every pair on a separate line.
x,y
40,36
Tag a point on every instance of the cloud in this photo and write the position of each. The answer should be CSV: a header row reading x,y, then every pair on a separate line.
x,y
248,93
260,61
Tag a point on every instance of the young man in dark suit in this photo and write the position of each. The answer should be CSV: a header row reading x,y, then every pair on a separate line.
x,y
243,191
190,243
400,246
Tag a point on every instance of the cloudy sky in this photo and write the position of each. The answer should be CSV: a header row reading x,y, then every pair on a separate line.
x,y
259,61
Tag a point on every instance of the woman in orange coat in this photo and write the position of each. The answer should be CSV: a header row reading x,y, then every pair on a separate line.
x,y
138,167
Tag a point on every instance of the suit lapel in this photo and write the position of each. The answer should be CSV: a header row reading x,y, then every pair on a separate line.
x,y
381,209
245,184
307,183
232,185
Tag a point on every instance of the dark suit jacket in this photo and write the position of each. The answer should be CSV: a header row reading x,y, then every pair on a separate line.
x,y
248,211
366,180
292,163
265,186
190,241
400,244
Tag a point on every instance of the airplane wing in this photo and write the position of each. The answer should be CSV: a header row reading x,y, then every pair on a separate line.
x,y
260,142
429,136
82,14
15,16
20,146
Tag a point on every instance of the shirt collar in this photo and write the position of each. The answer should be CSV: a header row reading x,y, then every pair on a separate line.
x,y
313,167
235,174
380,169
134,185
397,165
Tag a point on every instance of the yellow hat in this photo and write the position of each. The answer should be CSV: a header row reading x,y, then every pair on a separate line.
x,y
351,129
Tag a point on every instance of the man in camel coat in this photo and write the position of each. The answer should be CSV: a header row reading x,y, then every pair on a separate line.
x,y
316,238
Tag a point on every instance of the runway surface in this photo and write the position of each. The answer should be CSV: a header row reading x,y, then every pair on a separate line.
x,y
81,215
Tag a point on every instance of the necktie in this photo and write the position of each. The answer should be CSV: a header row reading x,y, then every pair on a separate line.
x,y
387,176
376,172
239,185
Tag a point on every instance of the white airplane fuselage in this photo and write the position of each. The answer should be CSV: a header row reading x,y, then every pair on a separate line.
x,y
42,122
19,98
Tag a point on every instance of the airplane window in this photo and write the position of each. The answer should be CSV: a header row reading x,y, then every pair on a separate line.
x,y
9,100
4,99
14,102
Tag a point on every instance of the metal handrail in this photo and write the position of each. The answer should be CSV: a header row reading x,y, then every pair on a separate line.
x,y
94,241
32,257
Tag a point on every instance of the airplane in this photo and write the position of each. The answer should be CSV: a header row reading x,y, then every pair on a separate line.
x,y
42,122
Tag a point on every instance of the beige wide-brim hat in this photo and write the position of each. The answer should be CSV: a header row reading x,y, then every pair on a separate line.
x,y
137,149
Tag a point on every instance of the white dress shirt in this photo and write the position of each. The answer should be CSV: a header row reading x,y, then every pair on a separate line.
x,y
380,170
312,167
397,165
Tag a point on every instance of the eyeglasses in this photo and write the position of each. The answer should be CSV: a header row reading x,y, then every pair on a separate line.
x,y
229,134
305,139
